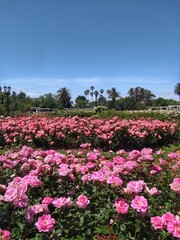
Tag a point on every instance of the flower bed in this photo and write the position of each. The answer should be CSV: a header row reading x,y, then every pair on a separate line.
x,y
89,194
72,131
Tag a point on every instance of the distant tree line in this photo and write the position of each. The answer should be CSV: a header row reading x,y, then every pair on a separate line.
x,y
137,98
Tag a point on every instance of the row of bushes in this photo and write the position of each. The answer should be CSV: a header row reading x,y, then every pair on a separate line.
x,y
102,112
70,132
45,194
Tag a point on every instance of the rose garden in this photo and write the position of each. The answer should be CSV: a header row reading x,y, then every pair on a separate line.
x,y
89,178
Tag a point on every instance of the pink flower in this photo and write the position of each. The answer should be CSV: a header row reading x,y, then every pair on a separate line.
x,y
173,227
115,180
33,181
118,160
152,191
157,222
173,155
159,152
92,156
85,145
121,206
47,200
168,217
162,162
135,186
35,209
62,202
82,201
121,152
140,203
21,201
64,170
10,194
155,169
45,223
175,185
4,234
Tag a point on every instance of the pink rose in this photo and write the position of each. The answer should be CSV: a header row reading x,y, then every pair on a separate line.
x,y
121,206
152,191
157,222
62,202
64,170
45,223
21,201
47,200
10,194
173,227
135,186
155,170
175,185
140,203
168,217
33,181
35,209
4,234
82,201
114,180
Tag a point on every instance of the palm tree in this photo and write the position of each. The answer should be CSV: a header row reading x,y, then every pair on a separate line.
x,y
92,88
101,92
2,96
131,92
86,92
92,91
96,94
64,96
177,90
113,94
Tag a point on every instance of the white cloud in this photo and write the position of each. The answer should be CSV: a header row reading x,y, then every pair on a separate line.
x,y
35,87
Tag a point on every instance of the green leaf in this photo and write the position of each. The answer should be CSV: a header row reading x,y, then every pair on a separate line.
x,y
123,227
102,229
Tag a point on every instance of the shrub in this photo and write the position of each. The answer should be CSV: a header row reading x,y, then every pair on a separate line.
x,y
47,194
70,132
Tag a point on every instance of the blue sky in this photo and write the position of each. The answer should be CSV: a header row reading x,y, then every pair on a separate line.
x,y
49,44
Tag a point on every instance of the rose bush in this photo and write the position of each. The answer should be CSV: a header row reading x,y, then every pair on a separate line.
x,y
70,132
88,194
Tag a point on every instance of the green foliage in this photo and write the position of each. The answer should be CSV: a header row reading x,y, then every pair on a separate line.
x,y
177,90
64,97
160,115
99,109
88,112
99,220
81,102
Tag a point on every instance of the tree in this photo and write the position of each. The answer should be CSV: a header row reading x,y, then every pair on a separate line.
x,y
141,96
96,94
86,92
131,92
101,92
92,91
45,101
126,103
14,101
64,96
177,90
81,102
22,102
102,100
159,102
92,88
113,94
2,96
